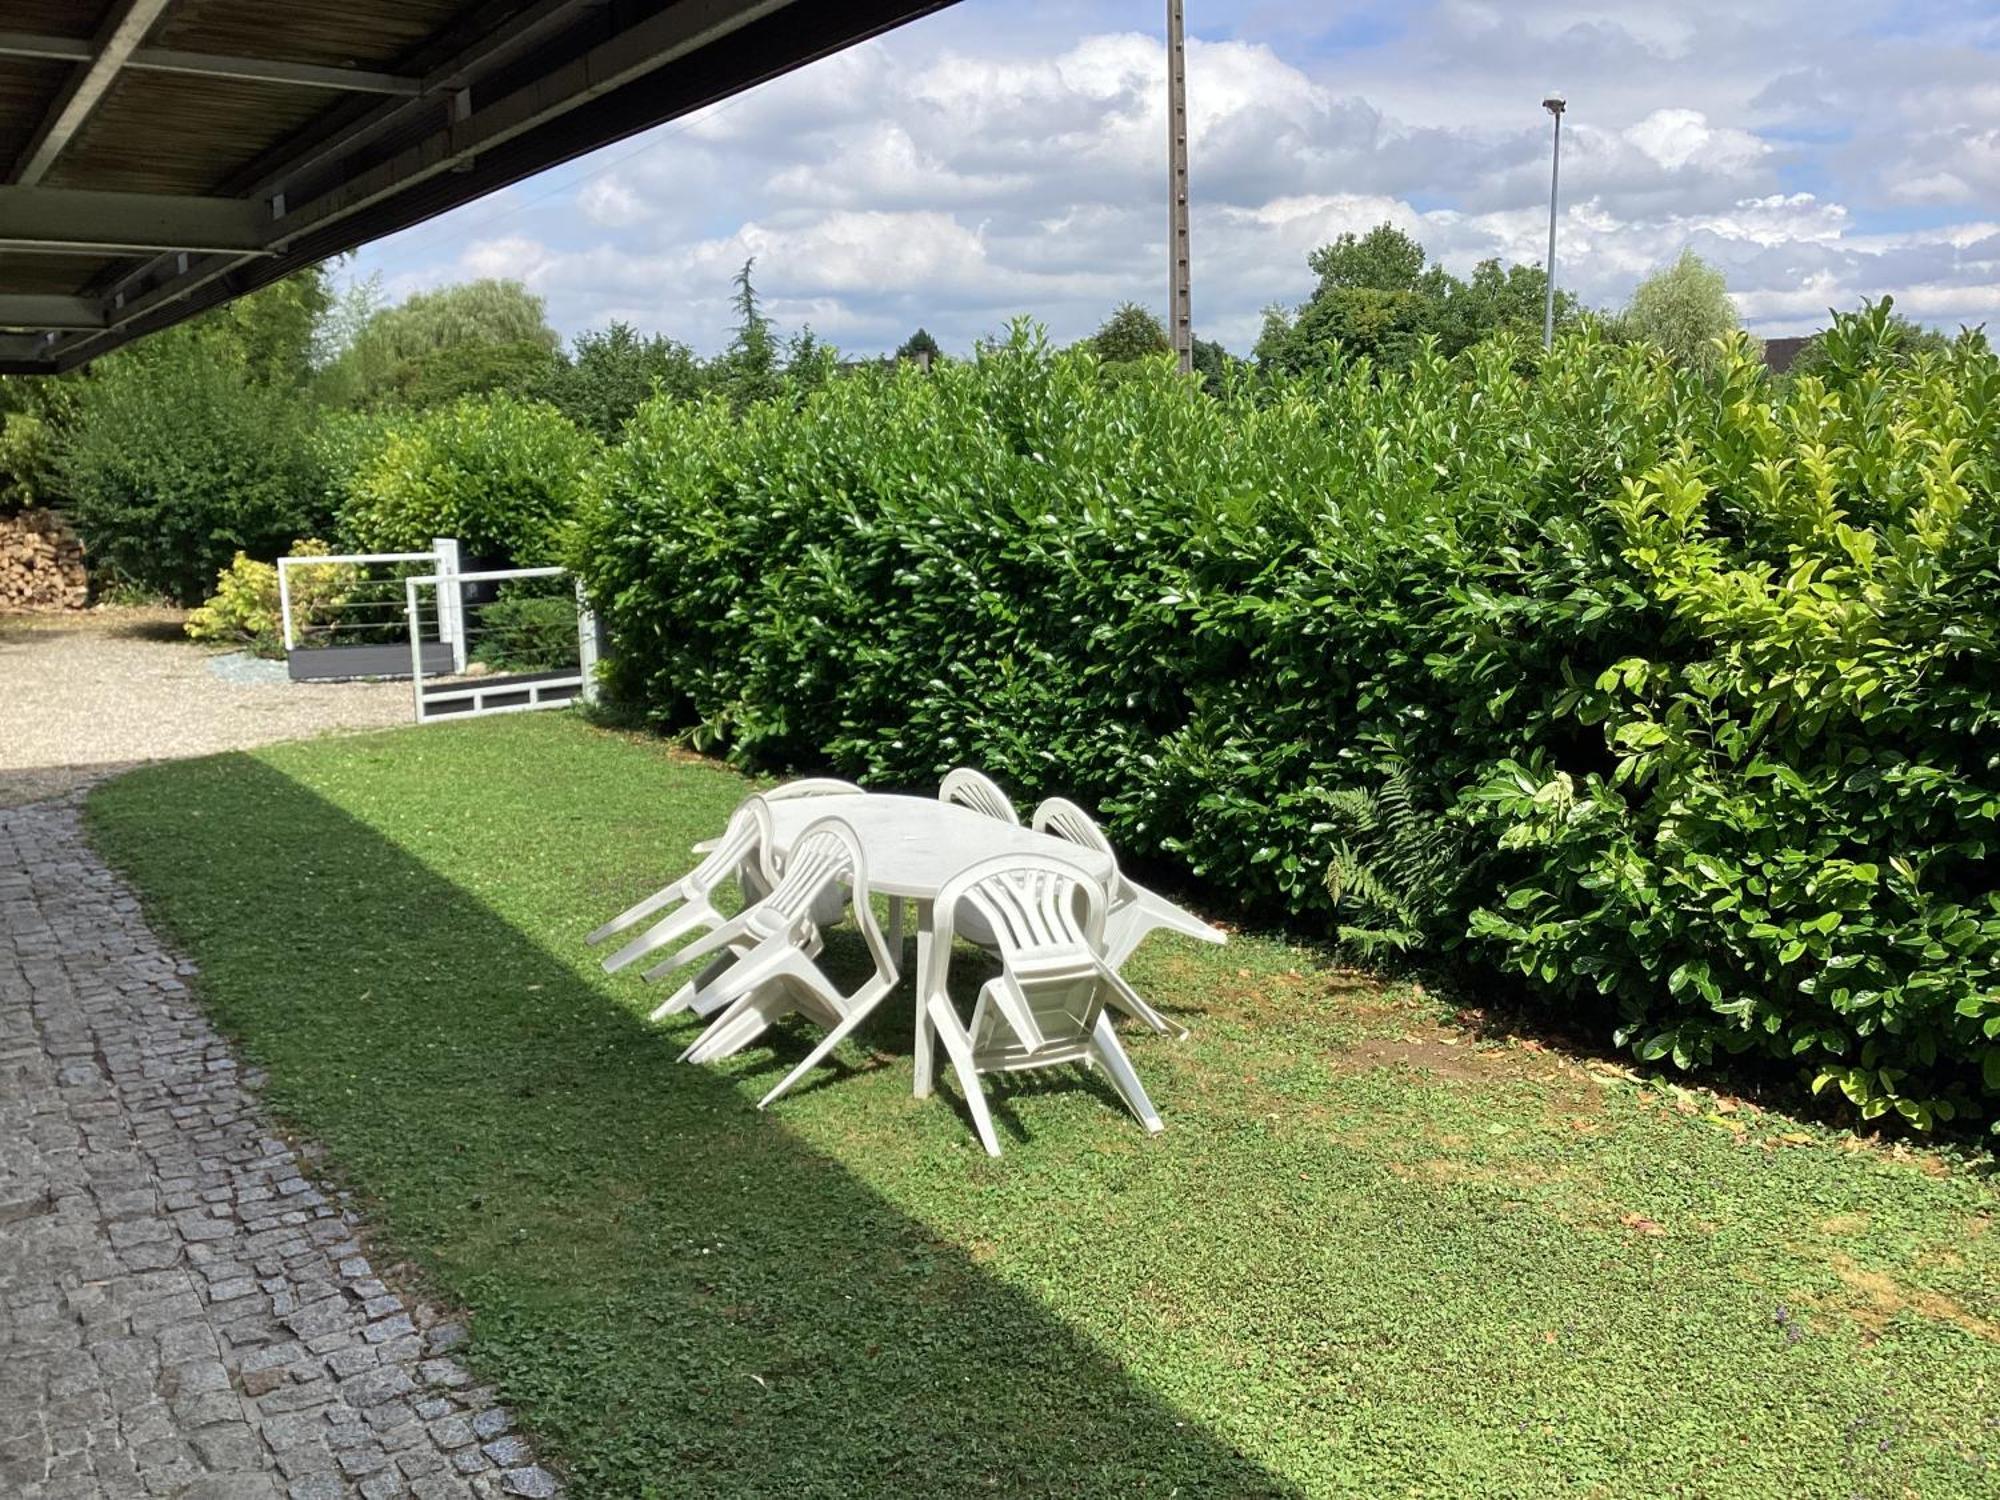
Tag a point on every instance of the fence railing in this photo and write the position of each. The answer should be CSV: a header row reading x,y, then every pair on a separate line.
x,y
466,685
353,626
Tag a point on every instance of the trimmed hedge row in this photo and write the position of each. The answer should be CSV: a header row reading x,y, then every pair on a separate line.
x,y
1676,693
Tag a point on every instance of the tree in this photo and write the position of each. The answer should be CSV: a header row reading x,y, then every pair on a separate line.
x,y
1892,339
1682,309
35,413
611,370
920,348
1131,332
177,461
1383,260
196,443
437,346
1497,299
748,369
1377,298
1213,363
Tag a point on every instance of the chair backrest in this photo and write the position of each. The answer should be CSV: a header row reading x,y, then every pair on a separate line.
x,y
812,786
1061,818
968,788
1065,820
826,856
1048,918
745,844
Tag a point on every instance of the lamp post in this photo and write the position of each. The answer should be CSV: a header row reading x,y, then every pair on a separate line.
x,y
1180,319
1555,106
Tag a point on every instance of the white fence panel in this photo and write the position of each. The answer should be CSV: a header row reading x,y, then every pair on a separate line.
x,y
454,691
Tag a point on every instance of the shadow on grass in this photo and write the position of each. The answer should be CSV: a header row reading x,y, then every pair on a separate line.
x,y
679,1294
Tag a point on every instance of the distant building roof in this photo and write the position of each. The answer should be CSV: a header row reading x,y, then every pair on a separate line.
x,y
1779,353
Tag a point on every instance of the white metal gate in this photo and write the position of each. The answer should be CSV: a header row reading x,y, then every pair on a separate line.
x,y
446,671
357,632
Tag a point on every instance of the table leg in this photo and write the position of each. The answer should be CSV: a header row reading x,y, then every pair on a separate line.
x,y
926,1042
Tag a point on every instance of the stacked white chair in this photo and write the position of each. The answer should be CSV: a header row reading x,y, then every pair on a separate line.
x,y
808,786
968,788
743,852
774,974
755,888
812,786
1134,911
1047,1005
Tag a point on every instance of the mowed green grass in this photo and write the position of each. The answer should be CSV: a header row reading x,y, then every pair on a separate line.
x,y
1371,1255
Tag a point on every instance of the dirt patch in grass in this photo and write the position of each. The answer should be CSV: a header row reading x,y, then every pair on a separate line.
x,y
1436,1052
1883,1298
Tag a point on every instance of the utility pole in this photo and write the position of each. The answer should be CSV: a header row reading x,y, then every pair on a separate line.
x,y
1555,106
1180,313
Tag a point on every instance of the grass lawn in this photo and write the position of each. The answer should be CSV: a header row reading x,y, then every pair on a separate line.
x,y
1372,1255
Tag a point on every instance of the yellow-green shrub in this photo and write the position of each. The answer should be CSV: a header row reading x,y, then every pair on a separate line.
x,y
245,605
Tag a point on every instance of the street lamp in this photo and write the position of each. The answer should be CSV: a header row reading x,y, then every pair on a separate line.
x,y
1555,106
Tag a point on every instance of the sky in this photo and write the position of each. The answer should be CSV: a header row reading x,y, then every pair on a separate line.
x,y
1008,157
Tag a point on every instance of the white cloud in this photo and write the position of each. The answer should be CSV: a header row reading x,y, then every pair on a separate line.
x,y
997,160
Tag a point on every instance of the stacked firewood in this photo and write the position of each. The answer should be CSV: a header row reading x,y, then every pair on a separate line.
x,y
41,563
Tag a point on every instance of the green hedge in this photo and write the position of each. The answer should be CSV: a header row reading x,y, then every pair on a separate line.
x,y
502,475
175,466
1674,693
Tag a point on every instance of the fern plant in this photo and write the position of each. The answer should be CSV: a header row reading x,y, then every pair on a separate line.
x,y
1393,866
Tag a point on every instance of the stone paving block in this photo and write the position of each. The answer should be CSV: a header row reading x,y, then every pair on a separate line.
x,y
186,1313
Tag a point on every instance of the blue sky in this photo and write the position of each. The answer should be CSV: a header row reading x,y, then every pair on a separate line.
x,y
1007,157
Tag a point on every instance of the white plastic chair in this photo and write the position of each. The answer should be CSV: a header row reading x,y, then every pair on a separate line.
x,y
808,786
1134,911
774,974
968,788
812,786
1047,1005
743,850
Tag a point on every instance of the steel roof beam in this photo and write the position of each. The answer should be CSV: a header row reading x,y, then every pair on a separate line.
x,y
71,219
210,65
640,49
116,41
42,310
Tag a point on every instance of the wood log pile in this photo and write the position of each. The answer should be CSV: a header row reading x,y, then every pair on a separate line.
x,y
41,563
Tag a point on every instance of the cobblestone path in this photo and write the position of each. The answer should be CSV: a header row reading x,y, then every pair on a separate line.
x,y
182,1312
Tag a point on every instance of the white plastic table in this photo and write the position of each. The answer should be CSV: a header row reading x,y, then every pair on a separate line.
x,y
914,845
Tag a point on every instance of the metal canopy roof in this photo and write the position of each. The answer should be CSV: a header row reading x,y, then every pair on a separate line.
x,y
158,157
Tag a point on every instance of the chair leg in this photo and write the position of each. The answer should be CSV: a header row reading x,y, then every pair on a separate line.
x,y
687,995
1118,1068
1135,1005
951,1031
748,1018
670,929
818,1055
926,1055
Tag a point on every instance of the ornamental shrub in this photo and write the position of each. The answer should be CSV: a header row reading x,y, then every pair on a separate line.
x,y
1673,666
245,607
502,475
176,462
529,628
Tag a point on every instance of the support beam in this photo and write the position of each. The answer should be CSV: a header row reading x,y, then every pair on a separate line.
x,y
39,310
117,40
26,354
566,122
642,48
72,219
266,70
480,47
210,65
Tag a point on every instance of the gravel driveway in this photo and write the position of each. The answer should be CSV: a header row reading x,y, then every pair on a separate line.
x,y
88,692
